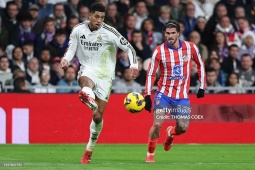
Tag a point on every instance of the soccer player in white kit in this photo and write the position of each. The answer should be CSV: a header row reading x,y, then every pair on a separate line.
x,y
95,44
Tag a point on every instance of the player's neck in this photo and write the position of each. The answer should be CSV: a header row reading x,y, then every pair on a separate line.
x,y
91,28
176,45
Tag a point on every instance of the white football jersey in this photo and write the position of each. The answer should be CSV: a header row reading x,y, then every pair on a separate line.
x,y
96,50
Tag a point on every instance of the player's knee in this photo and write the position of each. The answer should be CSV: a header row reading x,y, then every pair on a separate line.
x,y
157,126
182,127
97,117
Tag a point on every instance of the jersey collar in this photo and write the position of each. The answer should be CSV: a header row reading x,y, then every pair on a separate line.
x,y
172,48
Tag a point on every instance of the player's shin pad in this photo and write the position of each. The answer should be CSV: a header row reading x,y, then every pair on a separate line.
x,y
95,130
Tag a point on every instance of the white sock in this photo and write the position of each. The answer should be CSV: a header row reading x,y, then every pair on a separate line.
x,y
95,130
89,91
148,153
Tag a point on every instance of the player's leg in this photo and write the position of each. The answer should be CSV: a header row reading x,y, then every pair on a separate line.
x,y
86,93
96,126
181,113
160,103
102,91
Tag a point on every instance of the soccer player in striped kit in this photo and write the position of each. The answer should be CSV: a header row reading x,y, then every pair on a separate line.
x,y
173,58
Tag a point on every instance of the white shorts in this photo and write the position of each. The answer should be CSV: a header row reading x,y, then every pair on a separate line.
x,y
102,87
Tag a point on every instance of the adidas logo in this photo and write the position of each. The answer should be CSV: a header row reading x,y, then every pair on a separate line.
x,y
83,37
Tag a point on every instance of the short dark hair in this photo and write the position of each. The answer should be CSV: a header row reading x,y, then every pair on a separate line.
x,y
172,24
210,69
19,83
97,7
232,45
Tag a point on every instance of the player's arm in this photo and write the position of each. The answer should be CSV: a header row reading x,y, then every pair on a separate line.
x,y
123,44
71,49
151,75
201,70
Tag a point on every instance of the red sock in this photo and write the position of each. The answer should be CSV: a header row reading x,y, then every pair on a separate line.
x,y
152,145
173,131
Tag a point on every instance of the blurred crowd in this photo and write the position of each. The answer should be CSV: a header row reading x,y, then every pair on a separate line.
x,y
34,37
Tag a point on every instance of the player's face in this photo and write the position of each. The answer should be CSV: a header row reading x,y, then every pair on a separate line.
x,y
171,35
96,19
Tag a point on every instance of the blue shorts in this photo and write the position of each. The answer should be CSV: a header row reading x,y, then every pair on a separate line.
x,y
170,105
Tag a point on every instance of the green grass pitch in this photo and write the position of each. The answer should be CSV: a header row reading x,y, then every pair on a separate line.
x,y
130,157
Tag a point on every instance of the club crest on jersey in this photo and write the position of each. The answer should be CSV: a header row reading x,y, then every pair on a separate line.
x,y
99,37
186,57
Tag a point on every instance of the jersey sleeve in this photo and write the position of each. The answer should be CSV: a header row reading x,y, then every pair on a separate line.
x,y
151,72
72,46
200,66
123,44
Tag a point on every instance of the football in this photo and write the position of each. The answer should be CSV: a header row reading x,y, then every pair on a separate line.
x,y
134,102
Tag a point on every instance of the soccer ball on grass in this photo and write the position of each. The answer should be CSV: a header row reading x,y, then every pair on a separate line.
x,y
134,102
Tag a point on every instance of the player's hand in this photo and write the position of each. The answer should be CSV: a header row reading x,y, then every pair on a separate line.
x,y
134,72
63,64
148,103
200,93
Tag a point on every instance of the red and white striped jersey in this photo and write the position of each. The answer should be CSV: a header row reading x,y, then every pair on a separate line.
x,y
175,68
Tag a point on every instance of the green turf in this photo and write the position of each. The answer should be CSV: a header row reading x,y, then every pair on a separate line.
x,y
131,157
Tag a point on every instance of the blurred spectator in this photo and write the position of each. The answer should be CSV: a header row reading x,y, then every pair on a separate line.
x,y
153,8
239,13
219,11
141,48
56,72
127,84
59,16
46,36
71,8
152,37
56,1
4,34
17,73
141,77
17,61
213,54
123,6
5,71
10,20
220,45
129,27
244,26
200,28
227,28
177,9
164,16
233,81
69,80
203,8
195,38
140,12
20,85
189,19
211,81
59,44
37,24
230,6
121,63
194,75
246,74
45,59
83,13
72,21
45,9
182,29
44,86
25,29
32,72
231,63
112,17
248,45
221,77
28,50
